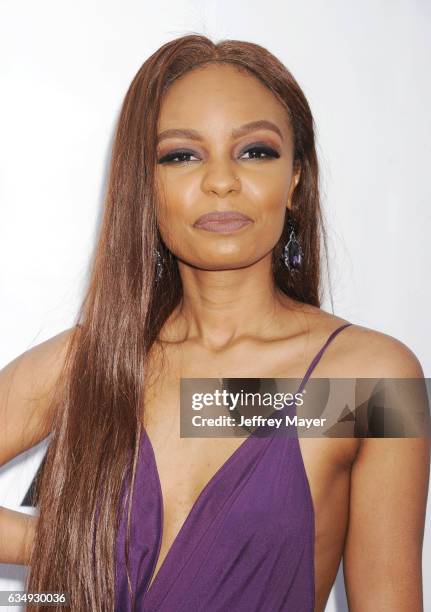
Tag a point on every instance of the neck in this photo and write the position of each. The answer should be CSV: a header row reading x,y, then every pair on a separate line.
x,y
221,307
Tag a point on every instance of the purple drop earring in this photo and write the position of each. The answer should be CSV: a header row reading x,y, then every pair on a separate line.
x,y
293,253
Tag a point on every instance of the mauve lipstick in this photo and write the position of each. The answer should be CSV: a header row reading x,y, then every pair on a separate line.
x,y
222,222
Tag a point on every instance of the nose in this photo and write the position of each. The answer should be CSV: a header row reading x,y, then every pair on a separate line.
x,y
220,178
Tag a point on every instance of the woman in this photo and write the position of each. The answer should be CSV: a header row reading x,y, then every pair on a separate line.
x,y
207,266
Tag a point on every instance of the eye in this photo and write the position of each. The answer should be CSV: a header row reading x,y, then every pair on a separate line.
x,y
256,150
181,155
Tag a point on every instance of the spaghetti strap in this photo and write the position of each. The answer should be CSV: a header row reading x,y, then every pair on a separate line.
x,y
318,356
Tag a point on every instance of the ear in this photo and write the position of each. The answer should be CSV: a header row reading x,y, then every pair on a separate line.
x,y
293,184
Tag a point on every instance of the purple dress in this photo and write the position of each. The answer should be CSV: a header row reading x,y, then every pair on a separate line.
x,y
247,544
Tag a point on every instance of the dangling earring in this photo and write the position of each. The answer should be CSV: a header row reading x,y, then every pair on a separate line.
x,y
159,265
293,254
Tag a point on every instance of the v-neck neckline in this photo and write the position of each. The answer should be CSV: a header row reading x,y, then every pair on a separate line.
x,y
246,442
154,578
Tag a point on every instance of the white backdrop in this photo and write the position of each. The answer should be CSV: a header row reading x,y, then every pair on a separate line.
x,y
65,68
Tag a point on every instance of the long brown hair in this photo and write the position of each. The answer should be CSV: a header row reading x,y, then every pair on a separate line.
x,y
97,409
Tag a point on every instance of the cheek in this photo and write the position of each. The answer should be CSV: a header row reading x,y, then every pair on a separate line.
x,y
177,199
176,211
270,205
268,190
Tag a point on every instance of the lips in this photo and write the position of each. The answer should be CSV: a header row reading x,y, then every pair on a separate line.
x,y
222,221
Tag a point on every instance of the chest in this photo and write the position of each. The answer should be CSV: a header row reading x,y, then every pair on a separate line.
x,y
186,465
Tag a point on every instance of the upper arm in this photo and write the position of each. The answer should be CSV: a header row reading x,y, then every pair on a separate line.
x,y
26,389
389,485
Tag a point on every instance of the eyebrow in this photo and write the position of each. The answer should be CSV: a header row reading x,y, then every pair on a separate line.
x,y
262,124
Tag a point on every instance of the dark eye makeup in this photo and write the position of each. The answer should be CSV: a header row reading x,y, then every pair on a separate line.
x,y
256,149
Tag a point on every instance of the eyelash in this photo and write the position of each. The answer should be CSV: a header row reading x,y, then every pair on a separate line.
x,y
169,158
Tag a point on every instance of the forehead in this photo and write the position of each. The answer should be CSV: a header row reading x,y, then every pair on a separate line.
x,y
217,97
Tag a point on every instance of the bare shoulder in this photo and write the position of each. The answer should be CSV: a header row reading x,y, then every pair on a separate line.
x,y
359,351
39,362
26,387
372,353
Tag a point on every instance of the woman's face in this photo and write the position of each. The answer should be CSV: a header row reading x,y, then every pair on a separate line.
x,y
196,172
